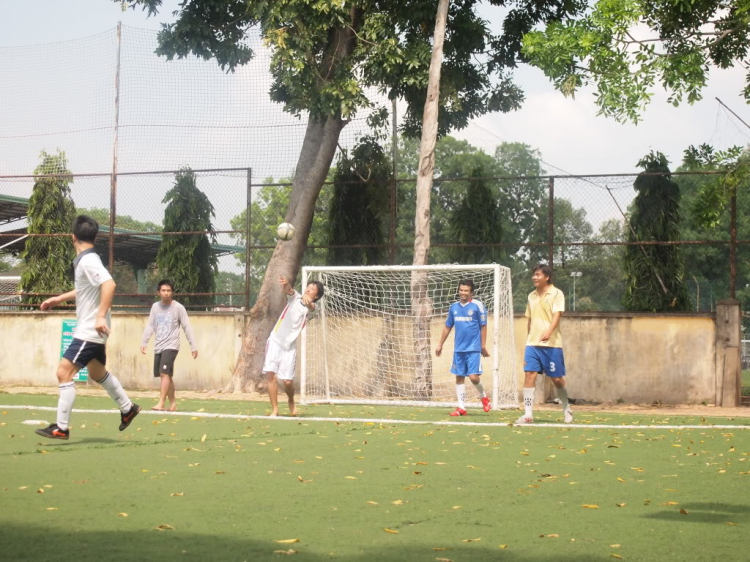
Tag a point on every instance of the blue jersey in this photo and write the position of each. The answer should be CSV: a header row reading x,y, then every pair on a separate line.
x,y
468,319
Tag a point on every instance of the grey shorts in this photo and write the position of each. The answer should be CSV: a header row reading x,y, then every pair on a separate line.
x,y
164,362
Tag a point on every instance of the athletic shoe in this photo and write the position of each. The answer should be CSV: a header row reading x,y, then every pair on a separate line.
x,y
54,432
568,415
486,404
524,420
129,416
458,412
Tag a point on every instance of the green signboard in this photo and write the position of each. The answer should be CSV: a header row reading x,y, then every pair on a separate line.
x,y
67,338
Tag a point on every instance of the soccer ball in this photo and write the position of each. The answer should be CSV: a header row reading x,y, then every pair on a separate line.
x,y
285,231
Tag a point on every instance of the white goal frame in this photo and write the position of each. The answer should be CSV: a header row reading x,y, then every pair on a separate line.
x,y
509,362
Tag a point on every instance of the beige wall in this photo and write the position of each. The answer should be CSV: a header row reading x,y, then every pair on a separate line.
x,y
637,358
31,350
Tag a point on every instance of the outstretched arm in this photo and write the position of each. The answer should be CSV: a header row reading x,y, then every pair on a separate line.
x,y
54,301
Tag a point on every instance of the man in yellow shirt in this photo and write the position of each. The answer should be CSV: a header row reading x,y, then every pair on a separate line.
x,y
544,352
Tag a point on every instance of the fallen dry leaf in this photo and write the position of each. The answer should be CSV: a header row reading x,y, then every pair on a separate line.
x,y
23,487
219,472
51,509
372,503
615,545
387,530
177,494
590,506
552,536
203,439
684,511
398,502
472,540
350,477
122,514
443,559
670,503
287,552
615,556
165,527
287,541
40,491
620,504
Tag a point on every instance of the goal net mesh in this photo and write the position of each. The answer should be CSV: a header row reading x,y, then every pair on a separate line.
x,y
9,285
370,342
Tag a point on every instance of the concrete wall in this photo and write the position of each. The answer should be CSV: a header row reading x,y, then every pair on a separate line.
x,y
31,350
637,358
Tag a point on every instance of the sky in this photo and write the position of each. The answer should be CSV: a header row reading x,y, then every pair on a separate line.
x,y
567,132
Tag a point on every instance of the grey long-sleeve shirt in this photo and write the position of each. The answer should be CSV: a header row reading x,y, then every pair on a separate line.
x,y
165,322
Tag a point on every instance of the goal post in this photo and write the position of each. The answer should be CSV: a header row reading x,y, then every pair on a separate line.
x,y
359,345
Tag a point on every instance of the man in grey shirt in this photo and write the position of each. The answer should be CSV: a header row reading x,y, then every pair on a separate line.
x,y
164,322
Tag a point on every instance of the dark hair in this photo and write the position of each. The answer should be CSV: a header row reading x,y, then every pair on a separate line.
x,y
85,229
467,283
320,288
165,282
545,269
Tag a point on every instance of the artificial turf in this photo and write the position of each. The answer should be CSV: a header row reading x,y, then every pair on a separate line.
x,y
229,489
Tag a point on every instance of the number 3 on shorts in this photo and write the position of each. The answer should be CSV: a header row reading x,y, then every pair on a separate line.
x,y
551,366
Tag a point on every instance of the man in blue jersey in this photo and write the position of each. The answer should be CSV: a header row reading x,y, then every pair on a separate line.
x,y
469,317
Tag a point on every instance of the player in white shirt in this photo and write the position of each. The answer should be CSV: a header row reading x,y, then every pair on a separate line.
x,y
281,347
93,293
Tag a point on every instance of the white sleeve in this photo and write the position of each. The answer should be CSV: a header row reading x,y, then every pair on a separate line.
x,y
95,271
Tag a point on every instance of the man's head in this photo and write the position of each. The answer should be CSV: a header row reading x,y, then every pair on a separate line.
x,y
541,275
166,290
314,290
465,290
85,229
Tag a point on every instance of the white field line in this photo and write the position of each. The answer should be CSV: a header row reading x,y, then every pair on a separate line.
x,y
383,420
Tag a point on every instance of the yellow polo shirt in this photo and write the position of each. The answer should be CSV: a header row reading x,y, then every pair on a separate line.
x,y
540,310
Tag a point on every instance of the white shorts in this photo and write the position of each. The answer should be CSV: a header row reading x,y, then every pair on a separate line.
x,y
280,360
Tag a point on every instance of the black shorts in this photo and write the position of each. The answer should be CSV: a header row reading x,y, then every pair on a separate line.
x,y
83,352
164,362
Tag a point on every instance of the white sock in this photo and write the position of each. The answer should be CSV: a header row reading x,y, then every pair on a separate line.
x,y
480,389
461,394
65,404
528,402
562,394
116,392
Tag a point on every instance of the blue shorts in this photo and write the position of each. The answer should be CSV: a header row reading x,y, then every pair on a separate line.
x,y
547,360
82,352
466,363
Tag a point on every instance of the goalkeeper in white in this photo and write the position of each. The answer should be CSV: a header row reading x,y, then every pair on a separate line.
x,y
281,347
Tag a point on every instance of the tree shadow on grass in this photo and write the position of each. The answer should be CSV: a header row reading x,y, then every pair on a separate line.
x,y
705,512
44,544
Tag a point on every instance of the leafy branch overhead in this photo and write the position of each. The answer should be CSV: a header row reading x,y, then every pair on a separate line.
x,y
628,47
327,55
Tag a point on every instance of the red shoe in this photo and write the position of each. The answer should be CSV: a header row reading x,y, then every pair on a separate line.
x,y
486,404
458,412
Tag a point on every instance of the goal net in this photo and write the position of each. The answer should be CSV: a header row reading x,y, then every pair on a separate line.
x,y
372,338
9,284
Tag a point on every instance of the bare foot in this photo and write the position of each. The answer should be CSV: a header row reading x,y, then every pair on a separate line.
x,y
173,408
158,408
273,415
292,409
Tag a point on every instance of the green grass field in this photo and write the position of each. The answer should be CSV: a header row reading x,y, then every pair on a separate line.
x,y
746,382
193,488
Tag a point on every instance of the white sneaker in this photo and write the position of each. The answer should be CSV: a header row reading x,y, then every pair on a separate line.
x,y
568,415
524,420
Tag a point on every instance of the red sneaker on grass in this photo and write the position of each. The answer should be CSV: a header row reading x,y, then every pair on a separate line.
x,y
458,412
486,404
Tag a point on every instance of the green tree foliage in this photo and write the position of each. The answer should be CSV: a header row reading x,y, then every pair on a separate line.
x,y
476,220
627,48
187,259
655,273
358,213
228,282
51,211
127,222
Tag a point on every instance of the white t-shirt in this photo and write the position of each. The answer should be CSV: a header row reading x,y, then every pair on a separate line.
x,y
90,274
291,322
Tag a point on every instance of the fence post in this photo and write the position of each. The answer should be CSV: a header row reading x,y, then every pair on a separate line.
x,y
113,183
733,243
551,224
248,234
394,186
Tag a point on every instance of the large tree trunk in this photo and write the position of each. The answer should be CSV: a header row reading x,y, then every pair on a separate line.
x,y
420,299
318,149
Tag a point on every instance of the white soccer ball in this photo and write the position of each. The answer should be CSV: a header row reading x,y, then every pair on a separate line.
x,y
285,231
